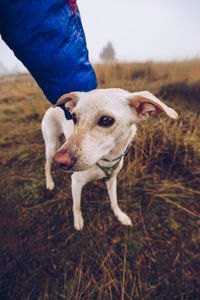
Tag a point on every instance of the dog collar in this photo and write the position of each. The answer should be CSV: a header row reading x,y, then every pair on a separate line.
x,y
108,171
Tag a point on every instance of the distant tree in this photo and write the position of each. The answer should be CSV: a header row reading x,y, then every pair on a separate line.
x,y
3,69
108,53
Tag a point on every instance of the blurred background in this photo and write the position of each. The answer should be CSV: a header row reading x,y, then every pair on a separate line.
x,y
137,30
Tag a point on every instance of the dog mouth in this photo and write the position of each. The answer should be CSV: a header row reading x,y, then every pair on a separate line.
x,y
74,168
64,168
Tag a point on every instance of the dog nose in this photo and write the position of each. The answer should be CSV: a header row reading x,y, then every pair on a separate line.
x,y
64,160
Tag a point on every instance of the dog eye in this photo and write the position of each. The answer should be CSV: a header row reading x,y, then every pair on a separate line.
x,y
106,121
74,118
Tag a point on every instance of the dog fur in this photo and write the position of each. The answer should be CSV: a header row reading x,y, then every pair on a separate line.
x,y
103,125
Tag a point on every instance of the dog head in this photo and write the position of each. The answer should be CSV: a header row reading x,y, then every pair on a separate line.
x,y
103,120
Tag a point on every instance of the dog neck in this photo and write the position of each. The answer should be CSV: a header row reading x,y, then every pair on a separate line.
x,y
119,157
117,154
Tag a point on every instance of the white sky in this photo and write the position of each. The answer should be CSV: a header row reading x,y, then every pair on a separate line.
x,y
140,30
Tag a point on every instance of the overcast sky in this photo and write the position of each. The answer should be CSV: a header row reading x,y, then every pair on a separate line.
x,y
140,30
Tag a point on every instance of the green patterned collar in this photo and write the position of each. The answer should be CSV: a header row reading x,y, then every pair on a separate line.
x,y
109,170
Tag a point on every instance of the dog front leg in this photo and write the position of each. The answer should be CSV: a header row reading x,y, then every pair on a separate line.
x,y
50,151
112,192
77,184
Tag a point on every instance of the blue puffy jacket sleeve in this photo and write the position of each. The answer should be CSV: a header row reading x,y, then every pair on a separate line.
x,y
48,37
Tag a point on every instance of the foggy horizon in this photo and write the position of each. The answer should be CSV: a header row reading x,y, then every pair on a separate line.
x,y
140,31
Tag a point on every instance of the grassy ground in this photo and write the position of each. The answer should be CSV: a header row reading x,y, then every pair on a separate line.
x,y
42,257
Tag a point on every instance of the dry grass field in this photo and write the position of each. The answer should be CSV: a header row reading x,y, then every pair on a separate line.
x,y
42,257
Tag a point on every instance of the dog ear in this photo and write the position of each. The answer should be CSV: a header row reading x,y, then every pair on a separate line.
x,y
69,100
145,103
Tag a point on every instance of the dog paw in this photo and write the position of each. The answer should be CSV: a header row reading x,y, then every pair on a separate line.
x,y
50,185
78,222
123,218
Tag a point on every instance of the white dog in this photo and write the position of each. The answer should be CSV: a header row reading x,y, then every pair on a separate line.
x,y
97,138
